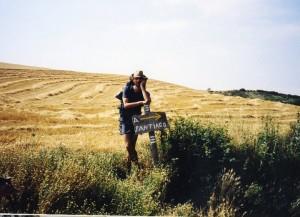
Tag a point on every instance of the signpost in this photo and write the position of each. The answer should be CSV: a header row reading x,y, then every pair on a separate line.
x,y
150,122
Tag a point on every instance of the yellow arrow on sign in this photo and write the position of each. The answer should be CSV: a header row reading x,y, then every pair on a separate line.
x,y
155,116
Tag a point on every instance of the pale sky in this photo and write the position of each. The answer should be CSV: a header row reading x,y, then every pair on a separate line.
x,y
217,44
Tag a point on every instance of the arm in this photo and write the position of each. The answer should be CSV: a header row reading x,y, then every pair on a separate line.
x,y
128,105
145,93
125,99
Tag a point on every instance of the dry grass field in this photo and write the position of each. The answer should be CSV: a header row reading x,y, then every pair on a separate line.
x,y
53,107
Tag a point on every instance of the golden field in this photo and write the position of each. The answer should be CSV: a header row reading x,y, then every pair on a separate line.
x,y
79,110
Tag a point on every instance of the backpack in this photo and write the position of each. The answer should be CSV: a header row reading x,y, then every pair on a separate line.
x,y
119,96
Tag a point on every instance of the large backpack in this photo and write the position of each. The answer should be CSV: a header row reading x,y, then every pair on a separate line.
x,y
119,96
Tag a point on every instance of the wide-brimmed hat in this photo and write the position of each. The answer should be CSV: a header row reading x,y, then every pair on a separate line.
x,y
138,74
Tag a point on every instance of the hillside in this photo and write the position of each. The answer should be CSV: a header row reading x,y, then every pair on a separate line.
x,y
264,95
59,142
79,110
4,65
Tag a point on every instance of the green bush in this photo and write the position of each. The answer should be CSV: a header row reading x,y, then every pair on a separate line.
x,y
186,209
293,140
61,181
268,171
223,201
202,174
196,156
134,197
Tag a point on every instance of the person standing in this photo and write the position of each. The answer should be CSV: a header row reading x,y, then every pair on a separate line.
x,y
134,97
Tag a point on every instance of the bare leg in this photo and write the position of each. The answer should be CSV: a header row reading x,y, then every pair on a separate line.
x,y
134,153
130,142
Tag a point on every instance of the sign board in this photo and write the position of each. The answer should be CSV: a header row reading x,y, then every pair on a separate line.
x,y
151,121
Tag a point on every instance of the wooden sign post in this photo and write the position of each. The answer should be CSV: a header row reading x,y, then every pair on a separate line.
x,y
150,122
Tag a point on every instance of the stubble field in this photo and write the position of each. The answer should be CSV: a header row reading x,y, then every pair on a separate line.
x,y
79,110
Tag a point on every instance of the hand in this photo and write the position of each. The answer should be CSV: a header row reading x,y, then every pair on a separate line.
x,y
145,102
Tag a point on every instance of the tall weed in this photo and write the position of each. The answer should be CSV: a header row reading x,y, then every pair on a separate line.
x,y
61,181
202,174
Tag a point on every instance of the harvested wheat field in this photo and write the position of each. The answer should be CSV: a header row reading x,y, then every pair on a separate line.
x,y
54,107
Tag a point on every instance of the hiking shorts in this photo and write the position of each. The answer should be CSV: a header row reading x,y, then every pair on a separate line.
x,y
126,126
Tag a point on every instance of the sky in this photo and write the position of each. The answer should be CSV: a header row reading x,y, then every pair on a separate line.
x,y
216,44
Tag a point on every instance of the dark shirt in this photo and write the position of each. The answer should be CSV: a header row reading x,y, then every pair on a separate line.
x,y
132,96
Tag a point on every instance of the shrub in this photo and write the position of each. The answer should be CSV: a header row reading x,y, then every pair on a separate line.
x,y
224,201
134,197
268,144
202,174
293,140
186,209
267,170
268,183
195,155
61,181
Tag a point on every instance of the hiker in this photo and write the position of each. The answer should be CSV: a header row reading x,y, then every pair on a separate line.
x,y
133,98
